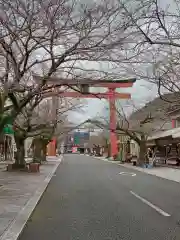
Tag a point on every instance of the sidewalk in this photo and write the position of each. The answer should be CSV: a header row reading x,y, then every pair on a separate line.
x,y
163,172
19,194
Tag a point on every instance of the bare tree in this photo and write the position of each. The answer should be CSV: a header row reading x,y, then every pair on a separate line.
x,y
144,122
37,121
59,37
155,36
141,123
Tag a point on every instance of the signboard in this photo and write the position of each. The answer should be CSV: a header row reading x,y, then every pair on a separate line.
x,y
8,129
74,149
80,137
76,139
86,136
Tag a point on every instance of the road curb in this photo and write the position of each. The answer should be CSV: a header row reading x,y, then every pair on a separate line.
x,y
16,227
106,160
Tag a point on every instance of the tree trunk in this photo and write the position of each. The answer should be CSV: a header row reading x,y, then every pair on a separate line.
x,y
37,150
44,150
109,151
20,154
143,151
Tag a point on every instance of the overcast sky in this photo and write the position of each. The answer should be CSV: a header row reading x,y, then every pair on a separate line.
x,y
142,92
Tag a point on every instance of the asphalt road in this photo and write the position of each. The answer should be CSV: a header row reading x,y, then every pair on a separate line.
x,y
88,199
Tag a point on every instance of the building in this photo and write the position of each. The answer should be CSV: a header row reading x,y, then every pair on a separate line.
x,y
162,127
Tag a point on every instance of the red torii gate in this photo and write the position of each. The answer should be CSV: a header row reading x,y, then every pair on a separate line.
x,y
111,95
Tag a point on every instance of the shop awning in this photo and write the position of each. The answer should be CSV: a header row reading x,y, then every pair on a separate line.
x,y
174,133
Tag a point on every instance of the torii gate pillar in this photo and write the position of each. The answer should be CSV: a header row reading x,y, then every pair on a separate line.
x,y
113,136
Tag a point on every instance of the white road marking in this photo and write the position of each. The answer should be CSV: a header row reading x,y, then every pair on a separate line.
x,y
128,173
165,214
104,159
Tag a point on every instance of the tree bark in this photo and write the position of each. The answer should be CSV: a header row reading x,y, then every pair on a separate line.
x,y
143,151
44,150
20,155
109,151
37,150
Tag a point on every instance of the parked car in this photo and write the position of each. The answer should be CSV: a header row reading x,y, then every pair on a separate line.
x,y
69,150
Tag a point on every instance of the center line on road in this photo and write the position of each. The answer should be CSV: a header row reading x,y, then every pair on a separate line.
x,y
165,214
